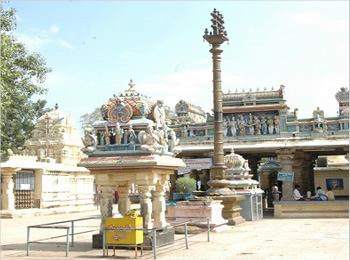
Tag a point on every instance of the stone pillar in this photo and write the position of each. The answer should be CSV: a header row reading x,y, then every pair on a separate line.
x,y
7,186
286,157
146,205
159,205
124,200
106,205
253,165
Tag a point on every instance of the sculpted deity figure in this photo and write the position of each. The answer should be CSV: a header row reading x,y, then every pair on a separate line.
x,y
107,136
263,125
125,137
132,135
184,132
89,142
251,124
225,127
159,114
270,125
277,125
233,126
118,134
150,140
172,140
241,125
257,124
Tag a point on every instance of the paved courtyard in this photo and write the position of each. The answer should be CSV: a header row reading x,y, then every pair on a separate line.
x,y
267,239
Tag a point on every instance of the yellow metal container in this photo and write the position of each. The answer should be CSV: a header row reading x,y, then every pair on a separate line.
x,y
124,237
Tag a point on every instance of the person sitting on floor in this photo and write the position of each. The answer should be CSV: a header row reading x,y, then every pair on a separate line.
x,y
320,194
330,194
296,194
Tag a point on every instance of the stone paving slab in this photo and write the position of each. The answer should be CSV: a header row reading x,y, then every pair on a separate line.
x,y
268,239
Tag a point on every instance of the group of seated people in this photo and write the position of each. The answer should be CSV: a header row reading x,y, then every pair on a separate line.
x,y
320,195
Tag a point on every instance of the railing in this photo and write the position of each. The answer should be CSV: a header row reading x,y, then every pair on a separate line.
x,y
49,226
154,233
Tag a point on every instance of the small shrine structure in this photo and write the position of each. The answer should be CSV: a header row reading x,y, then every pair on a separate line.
x,y
36,183
134,147
241,183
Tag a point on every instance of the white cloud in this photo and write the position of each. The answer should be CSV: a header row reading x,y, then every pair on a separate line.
x,y
65,44
306,17
54,29
34,42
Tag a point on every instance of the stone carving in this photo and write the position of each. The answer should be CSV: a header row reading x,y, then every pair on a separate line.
x,y
107,136
172,141
277,125
132,135
241,124
319,121
118,134
270,125
119,111
257,124
89,141
159,114
233,126
143,108
150,140
225,126
263,125
251,124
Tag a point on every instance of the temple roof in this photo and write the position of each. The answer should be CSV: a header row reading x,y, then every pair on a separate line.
x,y
255,95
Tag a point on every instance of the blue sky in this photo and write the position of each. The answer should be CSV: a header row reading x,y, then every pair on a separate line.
x,y
95,47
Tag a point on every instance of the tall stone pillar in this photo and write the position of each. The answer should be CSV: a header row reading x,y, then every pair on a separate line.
x,y
159,205
146,205
106,205
286,157
124,200
7,186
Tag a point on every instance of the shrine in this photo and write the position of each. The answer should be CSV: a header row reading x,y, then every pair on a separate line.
x,y
46,179
134,147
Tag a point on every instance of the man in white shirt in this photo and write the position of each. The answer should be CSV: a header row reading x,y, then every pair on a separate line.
x,y
296,193
330,194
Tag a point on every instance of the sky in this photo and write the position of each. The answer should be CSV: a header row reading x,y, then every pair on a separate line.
x,y
94,48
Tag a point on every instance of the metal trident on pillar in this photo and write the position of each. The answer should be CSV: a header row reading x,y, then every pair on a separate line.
x,y
218,183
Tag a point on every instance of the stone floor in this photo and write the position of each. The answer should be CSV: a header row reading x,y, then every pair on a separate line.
x,y
266,239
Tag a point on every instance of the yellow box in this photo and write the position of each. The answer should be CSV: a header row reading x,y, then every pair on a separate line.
x,y
124,237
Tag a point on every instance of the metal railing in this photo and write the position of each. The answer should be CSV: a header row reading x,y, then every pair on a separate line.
x,y
50,226
154,233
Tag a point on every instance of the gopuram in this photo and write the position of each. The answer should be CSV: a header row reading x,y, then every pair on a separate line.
x,y
259,124
134,147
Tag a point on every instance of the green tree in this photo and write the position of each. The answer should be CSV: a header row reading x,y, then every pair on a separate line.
x,y
88,119
22,74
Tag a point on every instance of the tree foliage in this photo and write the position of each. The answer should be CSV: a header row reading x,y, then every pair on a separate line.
x,y
88,119
22,74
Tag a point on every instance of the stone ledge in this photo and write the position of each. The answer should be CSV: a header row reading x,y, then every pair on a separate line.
x,y
314,209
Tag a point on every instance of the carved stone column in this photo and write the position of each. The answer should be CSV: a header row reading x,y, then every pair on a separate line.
x,y
124,200
146,205
159,205
7,196
106,205
286,157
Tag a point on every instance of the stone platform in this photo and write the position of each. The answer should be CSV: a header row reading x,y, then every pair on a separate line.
x,y
312,209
